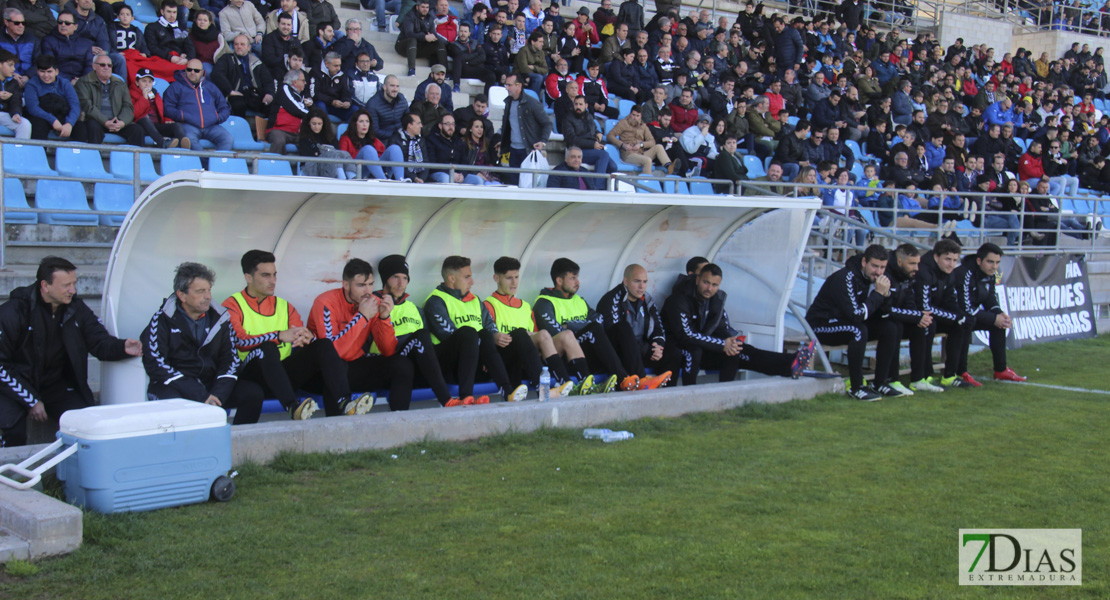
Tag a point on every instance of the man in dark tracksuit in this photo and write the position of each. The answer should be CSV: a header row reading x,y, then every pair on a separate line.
x,y
913,322
46,336
848,310
413,341
464,334
189,349
562,312
698,326
976,298
931,290
632,322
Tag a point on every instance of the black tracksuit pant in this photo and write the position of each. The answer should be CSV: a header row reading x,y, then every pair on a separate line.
x,y
315,367
419,351
984,321
696,358
633,357
56,399
920,353
521,359
461,353
246,398
835,333
955,345
600,355
376,372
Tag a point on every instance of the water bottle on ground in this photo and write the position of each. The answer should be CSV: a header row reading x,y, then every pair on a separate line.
x,y
545,385
595,434
616,436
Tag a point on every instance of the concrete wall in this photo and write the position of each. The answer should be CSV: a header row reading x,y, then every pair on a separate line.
x,y
1056,43
975,30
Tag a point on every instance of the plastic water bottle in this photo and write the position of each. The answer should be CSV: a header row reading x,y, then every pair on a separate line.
x,y
616,436
595,434
545,385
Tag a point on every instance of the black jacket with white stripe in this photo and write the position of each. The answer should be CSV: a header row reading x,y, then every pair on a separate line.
x,y
903,304
180,365
643,316
694,321
847,297
932,287
974,290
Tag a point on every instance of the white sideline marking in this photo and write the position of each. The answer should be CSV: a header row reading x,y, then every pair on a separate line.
x,y
1058,387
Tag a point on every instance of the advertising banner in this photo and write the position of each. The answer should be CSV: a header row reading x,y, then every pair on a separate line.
x,y
1047,297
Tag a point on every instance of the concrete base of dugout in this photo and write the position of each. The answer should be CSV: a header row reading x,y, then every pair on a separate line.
x,y
34,525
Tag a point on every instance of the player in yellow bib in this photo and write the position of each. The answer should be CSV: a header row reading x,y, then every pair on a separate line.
x,y
281,354
568,318
517,338
465,335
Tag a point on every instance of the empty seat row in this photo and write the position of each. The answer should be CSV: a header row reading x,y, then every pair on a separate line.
x,y
68,196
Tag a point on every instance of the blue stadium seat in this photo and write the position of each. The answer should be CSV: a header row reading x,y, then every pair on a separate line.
x,y
114,197
625,107
226,164
241,136
669,185
652,185
609,125
857,170
858,151
26,160
122,165
615,157
754,167
340,130
67,195
144,11
77,162
681,188
172,163
14,197
533,94
792,120
702,187
268,166
160,85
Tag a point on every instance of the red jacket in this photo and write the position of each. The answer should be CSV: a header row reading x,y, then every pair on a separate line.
x,y
683,118
777,103
552,82
1030,167
586,38
333,318
346,145
263,306
144,107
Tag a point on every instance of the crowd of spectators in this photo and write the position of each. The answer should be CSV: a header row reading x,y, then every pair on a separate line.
x,y
821,98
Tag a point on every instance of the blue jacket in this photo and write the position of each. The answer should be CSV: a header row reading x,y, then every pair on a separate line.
x,y
934,155
901,109
349,50
385,115
994,115
825,114
62,87
74,54
884,72
93,29
789,49
25,50
202,106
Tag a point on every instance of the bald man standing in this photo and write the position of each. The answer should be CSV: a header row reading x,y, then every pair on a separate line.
x,y
631,320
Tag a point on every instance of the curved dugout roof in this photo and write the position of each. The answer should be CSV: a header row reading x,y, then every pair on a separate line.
x,y
315,225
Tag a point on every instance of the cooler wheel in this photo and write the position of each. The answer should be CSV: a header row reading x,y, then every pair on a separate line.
x,y
223,488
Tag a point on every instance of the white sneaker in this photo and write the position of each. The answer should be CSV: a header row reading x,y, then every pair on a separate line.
x,y
925,385
898,385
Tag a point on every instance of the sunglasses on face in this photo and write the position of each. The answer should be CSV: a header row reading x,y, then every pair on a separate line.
x,y
194,70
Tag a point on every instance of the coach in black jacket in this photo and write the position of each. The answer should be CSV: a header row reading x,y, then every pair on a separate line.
x,y
189,349
46,336
697,325
976,299
932,288
915,320
632,322
848,310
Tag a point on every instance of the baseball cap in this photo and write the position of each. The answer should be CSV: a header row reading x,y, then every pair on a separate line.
x,y
439,69
144,73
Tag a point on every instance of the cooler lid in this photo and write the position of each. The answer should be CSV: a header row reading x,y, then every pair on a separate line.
x,y
140,418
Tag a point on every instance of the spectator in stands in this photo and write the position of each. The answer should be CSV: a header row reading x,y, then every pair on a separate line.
x,y
834,149
849,309
11,98
51,102
364,82
572,164
331,89
319,12
92,27
105,106
581,131
1056,168
684,112
555,82
240,17
46,335
125,35
243,79
278,45
299,26
767,184
387,106
360,141
286,114
999,212
791,152
353,44
479,148
498,61
901,106
284,355
788,45
526,127
418,38
728,165
699,145
39,17
565,104
476,110
976,301
73,53
167,40
206,37
605,20
408,145
189,349
198,106
438,78
657,102
531,62
637,145
150,113
611,48
316,138
592,85
430,110
697,324
22,44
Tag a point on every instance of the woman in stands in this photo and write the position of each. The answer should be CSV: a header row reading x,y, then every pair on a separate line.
x,y
360,142
317,139
206,38
480,150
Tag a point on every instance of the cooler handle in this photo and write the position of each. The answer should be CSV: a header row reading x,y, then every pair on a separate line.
x,y
34,475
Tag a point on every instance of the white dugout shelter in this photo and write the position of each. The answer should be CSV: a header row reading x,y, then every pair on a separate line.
x,y
315,225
